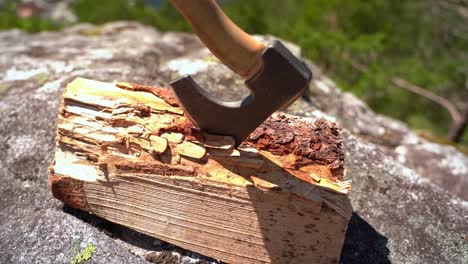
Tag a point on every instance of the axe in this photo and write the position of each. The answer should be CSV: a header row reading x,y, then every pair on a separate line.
x,y
274,76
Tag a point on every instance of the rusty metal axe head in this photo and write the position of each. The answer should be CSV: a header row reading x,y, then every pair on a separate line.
x,y
280,81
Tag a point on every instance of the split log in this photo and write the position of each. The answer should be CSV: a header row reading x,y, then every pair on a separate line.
x,y
127,153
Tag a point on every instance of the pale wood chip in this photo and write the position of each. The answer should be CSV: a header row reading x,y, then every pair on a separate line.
x,y
190,149
224,152
122,110
165,119
219,142
173,137
315,177
136,129
143,143
240,161
154,144
248,149
306,176
262,184
158,144
249,152
104,95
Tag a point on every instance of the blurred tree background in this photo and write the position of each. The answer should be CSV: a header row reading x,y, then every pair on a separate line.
x,y
406,59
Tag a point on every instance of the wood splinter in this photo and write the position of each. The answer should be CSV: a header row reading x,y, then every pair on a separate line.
x,y
128,153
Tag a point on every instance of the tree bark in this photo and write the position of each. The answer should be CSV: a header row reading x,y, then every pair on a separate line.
x,y
459,120
128,153
457,129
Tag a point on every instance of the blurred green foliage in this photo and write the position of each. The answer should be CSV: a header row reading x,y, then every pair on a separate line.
x,y
102,11
360,44
364,44
8,20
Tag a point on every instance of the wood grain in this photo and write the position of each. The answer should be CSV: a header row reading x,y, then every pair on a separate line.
x,y
132,157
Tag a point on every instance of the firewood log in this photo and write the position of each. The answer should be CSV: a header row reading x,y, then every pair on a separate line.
x,y
127,153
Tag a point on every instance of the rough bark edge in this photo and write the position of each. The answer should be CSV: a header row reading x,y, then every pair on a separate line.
x,y
68,190
319,145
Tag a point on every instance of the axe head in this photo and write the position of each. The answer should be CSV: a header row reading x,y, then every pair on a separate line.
x,y
282,79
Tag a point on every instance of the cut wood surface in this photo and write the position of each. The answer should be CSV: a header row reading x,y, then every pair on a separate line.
x,y
127,153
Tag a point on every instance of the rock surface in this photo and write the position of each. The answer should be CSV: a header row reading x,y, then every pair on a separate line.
x,y
404,187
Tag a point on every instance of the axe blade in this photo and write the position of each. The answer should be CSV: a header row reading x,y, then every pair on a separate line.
x,y
282,79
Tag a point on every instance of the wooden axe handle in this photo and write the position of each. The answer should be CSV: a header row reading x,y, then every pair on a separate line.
x,y
235,48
